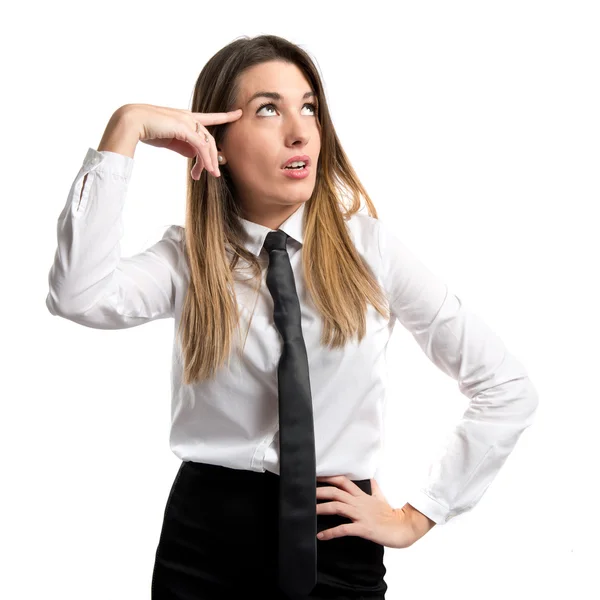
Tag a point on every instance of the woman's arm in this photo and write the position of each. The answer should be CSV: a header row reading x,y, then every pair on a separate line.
x,y
502,398
89,282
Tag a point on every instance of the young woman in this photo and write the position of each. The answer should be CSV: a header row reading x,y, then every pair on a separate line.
x,y
284,297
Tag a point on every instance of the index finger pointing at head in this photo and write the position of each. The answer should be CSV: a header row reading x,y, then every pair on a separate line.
x,y
219,117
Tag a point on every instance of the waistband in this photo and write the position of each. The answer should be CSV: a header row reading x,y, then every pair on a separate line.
x,y
222,473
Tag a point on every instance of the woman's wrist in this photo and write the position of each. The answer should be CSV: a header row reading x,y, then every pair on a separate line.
x,y
421,523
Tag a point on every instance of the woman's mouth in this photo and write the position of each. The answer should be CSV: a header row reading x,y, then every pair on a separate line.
x,y
296,172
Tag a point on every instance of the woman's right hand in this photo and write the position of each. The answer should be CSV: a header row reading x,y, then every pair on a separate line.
x,y
175,129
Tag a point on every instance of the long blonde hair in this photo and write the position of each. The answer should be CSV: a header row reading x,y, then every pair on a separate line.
x,y
338,279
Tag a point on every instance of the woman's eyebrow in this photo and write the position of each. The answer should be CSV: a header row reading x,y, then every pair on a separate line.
x,y
276,96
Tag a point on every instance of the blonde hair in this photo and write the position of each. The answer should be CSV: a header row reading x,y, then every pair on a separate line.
x,y
337,278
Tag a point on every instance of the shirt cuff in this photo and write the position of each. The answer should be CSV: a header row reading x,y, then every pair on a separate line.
x,y
429,507
105,160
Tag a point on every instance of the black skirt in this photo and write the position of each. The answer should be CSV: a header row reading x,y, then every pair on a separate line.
x,y
219,541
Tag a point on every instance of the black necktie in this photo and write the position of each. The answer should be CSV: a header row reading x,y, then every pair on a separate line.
x,y
298,481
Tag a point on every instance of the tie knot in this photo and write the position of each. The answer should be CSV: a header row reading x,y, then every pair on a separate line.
x,y
276,240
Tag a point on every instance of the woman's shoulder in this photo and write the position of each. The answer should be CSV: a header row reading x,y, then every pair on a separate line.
x,y
363,227
175,232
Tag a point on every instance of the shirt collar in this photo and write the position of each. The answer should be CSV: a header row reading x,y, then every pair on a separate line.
x,y
257,233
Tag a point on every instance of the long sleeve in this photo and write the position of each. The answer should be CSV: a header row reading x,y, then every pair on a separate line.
x,y
90,283
502,399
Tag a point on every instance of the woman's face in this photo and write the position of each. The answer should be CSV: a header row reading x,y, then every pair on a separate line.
x,y
256,145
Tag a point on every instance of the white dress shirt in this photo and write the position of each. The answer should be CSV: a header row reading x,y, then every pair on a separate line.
x,y
233,420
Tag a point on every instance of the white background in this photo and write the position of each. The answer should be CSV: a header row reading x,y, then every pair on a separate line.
x,y
474,127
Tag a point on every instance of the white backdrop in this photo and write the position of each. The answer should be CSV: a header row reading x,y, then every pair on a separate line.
x,y
474,127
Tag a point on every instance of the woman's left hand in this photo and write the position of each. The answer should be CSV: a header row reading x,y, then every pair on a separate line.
x,y
373,517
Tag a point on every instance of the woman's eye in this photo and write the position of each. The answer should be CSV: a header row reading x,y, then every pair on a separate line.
x,y
270,104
